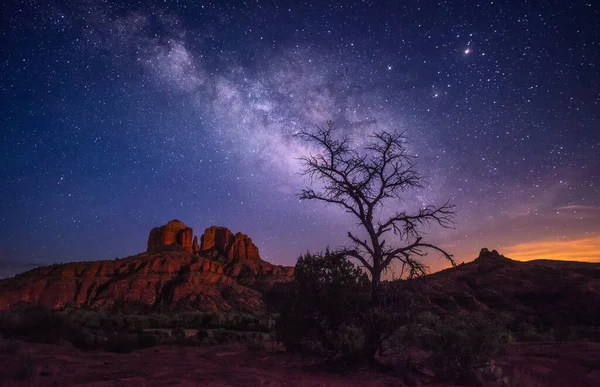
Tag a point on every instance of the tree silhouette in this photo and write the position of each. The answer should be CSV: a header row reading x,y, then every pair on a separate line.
x,y
364,179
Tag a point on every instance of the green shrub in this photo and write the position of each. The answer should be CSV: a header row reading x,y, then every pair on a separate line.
x,y
351,341
201,334
220,336
146,340
122,343
461,343
177,332
83,339
323,310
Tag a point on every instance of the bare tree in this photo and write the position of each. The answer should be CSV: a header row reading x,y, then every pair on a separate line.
x,y
362,180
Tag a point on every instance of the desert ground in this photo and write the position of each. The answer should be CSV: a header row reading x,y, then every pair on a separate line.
x,y
34,364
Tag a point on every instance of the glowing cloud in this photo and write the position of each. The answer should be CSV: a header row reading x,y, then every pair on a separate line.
x,y
583,249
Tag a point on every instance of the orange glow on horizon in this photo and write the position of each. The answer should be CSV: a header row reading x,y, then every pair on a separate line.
x,y
583,249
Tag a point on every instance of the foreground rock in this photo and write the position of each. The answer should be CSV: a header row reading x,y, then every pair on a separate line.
x,y
173,274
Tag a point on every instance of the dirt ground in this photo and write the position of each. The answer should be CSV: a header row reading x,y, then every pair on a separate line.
x,y
32,364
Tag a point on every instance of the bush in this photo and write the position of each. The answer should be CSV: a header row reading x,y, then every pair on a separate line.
x,y
461,343
122,343
146,340
201,334
323,309
351,341
83,339
177,332
220,336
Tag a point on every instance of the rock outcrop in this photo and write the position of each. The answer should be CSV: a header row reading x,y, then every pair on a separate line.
x,y
225,273
173,233
232,246
171,279
216,237
195,246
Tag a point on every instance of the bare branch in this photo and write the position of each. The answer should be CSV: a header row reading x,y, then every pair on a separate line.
x,y
361,243
362,180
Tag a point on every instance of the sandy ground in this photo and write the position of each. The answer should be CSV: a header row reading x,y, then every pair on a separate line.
x,y
539,364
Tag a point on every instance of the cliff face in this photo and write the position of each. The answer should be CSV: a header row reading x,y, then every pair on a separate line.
x,y
172,233
238,246
173,273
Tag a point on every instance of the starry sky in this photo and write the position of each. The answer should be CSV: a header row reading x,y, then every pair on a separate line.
x,y
120,116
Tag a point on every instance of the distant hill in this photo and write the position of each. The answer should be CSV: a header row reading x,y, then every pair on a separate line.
x,y
221,273
546,292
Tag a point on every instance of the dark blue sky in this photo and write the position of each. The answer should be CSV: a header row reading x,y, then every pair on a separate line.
x,y
119,116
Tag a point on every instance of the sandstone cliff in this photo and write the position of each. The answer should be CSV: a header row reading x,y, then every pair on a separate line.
x,y
174,232
225,273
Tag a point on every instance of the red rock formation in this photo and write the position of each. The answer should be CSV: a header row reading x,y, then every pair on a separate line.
x,y
242,247
162,276
238,246
170,278
173,233
216,237
195,246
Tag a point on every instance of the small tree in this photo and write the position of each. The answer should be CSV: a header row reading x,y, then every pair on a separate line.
x,y
364,180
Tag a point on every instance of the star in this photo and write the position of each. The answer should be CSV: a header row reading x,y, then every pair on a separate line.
x,y
190,111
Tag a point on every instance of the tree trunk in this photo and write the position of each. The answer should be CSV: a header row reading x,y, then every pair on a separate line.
x,y
373,330
375,286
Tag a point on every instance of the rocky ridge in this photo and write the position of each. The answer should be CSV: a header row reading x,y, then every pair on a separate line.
x,y
550,292
224,272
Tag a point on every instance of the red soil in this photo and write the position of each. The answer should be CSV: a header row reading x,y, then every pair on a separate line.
x,y
534,364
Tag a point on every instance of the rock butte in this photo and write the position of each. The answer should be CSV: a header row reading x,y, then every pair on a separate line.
x,y
224,272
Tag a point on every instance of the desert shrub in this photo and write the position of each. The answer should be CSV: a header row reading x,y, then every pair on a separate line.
x,y
122,343
10,323
83,339
45,325
201,334
127,342
146,340
177,332
323,309
350,341
428,319
528,332
461,343
256,345
214,320
311,346
220,336
157,320
506,338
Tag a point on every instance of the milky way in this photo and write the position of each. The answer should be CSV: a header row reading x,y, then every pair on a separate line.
x,y
118,116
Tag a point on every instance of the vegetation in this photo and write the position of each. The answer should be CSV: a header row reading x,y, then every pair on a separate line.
x,y
88,329
323,310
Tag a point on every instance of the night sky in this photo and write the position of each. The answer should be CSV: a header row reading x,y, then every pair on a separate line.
x,y
117,117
